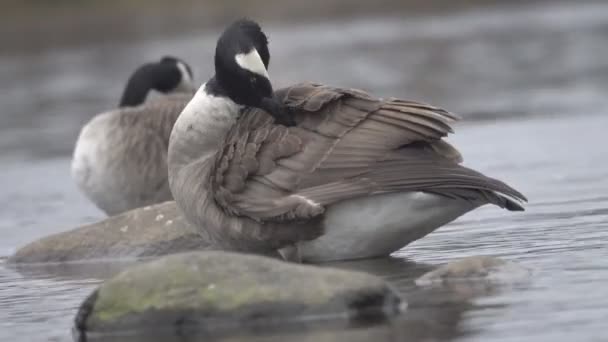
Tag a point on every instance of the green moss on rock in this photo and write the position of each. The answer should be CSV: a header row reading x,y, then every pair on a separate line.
x,y
201,287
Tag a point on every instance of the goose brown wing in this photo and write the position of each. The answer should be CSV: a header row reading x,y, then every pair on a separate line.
x,y
345,144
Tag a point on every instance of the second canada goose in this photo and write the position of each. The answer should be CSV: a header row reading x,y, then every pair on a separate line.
x,y
120,158
325,172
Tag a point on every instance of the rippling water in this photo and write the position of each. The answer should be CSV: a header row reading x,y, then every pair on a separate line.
x,y
530,83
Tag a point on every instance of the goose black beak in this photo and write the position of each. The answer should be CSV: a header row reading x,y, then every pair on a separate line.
x,y
278,110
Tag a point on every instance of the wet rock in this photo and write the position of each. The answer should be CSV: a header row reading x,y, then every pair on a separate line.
x,y
486,268
149,231
203,292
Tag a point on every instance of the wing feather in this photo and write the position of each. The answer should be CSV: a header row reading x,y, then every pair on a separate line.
x,y
345,144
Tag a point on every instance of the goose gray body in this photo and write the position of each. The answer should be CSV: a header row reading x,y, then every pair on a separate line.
x,y
320,172
356,177
120,158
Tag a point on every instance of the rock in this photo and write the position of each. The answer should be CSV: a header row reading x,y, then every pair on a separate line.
x,y
486,268
149,231
202,292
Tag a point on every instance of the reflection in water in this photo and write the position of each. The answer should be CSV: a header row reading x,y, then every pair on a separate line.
x,y
536,76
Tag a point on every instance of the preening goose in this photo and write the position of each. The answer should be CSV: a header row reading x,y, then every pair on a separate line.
x,y
320,172
120,158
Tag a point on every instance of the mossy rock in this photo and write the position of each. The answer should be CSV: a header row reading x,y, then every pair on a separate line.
x,y
150,231
210,291
475,269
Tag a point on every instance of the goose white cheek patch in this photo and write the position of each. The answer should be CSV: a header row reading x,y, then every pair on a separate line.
x,y
187,83
184,71
253,62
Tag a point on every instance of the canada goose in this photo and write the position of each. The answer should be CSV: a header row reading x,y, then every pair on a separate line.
x,y
120,158
344,176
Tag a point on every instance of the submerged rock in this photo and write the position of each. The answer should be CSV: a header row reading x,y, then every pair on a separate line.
x,y
203,292
150,231
486,268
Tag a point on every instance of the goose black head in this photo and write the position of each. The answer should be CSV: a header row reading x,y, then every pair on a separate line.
x,y
241,63
241,69
169,75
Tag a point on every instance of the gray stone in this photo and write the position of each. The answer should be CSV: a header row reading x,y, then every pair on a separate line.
x,y
475,268
150,231
204,292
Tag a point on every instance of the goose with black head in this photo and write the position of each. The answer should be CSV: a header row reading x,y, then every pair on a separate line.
x,y
319,172
120,158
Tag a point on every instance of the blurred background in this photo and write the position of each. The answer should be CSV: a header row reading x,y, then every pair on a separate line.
x,y
63,61
528,77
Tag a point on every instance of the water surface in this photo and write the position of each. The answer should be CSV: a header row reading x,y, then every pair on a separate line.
x,y
530,83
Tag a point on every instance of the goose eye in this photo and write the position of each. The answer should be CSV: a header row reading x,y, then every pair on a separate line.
x,y
253,80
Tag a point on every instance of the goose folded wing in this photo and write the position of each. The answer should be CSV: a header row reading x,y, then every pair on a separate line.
x,y
345,144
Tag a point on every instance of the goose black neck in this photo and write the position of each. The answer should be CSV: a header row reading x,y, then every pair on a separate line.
x,y
156,76
213,87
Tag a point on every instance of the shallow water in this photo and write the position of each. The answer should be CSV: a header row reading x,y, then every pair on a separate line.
x,y
530,83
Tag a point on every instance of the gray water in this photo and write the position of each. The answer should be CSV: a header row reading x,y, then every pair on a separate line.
x,y
530,83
